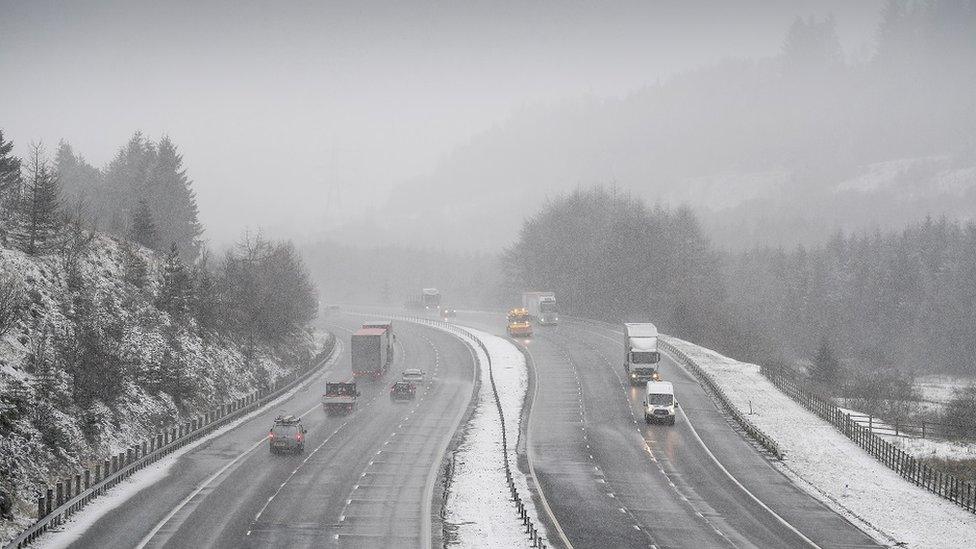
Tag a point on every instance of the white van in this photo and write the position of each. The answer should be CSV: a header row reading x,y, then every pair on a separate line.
x,y
660,404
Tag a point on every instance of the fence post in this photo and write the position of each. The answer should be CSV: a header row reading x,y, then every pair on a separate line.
x,y
77,484
88,478
60,488
49,497
106,469
40,507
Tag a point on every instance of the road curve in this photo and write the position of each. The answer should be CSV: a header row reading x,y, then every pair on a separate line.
x,y
613,481
360,483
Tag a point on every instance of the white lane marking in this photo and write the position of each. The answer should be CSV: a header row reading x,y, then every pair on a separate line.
x,y
530,454
745,490
152,533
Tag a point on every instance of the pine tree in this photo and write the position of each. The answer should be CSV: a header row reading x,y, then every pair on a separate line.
x,y
173,201
9,175
135,270
40,204
143,228
825,366
176,291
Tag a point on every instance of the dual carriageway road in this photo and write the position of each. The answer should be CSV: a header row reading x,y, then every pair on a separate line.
x,y
365,479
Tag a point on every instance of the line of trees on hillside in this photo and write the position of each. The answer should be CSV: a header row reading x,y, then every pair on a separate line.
x,y
258,293
608,255
901,302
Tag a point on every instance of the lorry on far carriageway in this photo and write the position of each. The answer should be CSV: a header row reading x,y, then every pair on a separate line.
x,y
430,298
370,353
640,352
541,307
340,397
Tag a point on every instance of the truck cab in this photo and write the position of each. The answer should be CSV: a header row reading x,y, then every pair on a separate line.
x,y
641,356
659,402
339,398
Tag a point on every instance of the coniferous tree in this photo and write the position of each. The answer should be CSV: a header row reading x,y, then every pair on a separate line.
x,y
135,270
825,365
143,229
40,204
173,202
176,290
9,177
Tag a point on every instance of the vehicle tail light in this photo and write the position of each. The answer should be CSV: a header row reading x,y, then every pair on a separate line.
x,y
271,434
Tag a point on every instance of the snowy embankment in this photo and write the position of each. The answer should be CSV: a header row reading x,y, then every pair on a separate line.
x,y
479,505
832,468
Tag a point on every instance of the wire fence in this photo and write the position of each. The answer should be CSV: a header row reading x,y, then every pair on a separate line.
x,y
58,502
943,484
533,532
916,429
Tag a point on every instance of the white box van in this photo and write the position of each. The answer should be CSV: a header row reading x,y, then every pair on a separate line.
x,y
660,404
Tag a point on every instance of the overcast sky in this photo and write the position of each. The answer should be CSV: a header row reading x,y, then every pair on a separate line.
x,y
290,116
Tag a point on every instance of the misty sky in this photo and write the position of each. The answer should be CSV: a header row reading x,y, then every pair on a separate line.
x,y
279,110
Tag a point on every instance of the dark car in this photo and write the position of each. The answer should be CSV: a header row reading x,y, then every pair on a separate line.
x,y
403,390
287,435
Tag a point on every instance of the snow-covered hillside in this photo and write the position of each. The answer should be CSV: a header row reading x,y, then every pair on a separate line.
x,y
93,313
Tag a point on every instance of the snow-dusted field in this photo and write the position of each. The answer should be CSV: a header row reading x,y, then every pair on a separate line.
x,y
832,468
479,503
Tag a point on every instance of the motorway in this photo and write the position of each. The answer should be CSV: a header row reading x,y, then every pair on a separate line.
x,y
613,481
364,480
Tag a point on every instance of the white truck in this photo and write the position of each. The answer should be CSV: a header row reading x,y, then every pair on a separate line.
x,y
542,307
640,352
659,402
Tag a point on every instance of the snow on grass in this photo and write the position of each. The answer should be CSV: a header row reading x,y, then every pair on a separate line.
x,y
832,468
927,448
479,503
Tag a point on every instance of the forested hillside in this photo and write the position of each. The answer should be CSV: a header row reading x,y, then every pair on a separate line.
x,y
902,303
108,336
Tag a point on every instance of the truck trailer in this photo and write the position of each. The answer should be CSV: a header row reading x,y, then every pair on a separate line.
x,y
640,352
541,307
370,353
430,298
390,336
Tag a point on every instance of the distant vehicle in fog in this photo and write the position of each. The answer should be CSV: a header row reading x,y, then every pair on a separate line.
x,y
403,390
413,375
430,298
448,313
542,307
640,352
519,324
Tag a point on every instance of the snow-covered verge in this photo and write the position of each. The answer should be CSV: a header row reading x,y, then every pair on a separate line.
x,y
479,505
92,314
832,468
